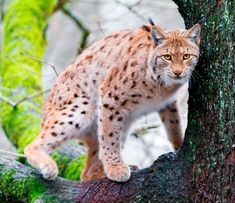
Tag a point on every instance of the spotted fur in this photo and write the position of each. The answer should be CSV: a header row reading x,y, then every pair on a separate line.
x,y
111,84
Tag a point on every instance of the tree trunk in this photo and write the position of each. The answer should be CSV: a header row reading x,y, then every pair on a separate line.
x,y
209,147
203,170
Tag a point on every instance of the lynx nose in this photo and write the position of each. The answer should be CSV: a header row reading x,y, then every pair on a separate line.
x,y
177,72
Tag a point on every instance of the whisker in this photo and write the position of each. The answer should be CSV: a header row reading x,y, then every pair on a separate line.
x,y
195,77
160,78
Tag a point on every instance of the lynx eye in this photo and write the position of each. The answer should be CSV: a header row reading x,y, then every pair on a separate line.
x,y
167,57
186,56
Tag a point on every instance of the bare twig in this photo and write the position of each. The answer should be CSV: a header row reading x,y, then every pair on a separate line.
x,y
29,97
11,153
131,9
85,31
36,59
144,130
8,101
100,27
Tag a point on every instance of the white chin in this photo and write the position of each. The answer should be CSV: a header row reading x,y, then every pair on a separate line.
x,y
170,81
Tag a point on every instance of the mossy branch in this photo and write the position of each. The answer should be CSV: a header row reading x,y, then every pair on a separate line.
x,y
14,104
22,183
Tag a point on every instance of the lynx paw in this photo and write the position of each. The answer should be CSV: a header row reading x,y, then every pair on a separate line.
x,y
119,173
49,170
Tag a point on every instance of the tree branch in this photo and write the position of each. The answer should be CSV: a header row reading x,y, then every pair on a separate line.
x,y
8,101
100,27
4,152
131,9
147,185
14,104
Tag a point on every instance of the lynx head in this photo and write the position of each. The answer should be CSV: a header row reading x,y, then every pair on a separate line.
x,y
174,54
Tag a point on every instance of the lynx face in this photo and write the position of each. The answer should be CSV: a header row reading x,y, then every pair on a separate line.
x,y
175,54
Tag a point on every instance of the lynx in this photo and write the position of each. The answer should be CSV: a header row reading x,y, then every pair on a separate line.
x,y
111,84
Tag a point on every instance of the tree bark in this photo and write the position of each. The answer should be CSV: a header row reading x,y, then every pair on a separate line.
x,y
158,183
209,147
203,170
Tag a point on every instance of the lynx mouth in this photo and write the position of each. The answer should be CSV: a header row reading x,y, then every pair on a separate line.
x,y
177,77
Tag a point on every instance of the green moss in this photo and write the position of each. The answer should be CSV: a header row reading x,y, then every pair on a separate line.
x,y
2,197
50,199
74,168
70,168
24,189
24,22
62,162
53,199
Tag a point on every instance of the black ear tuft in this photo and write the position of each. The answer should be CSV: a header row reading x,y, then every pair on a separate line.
x,y
150,21
157,35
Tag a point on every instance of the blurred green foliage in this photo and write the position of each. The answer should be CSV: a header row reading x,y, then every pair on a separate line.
x,y
24,23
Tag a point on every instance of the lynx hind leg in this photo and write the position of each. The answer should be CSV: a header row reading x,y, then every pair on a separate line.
x,y
171,120
94,168
58,128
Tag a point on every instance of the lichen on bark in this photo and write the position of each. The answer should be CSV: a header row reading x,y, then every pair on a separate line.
x,y
26,189
212,104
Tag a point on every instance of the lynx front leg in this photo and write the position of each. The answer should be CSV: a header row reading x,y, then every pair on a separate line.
x,y
37,154
171,119
110,127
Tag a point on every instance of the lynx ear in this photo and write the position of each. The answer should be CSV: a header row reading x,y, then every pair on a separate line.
x,y
194,34
157,34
